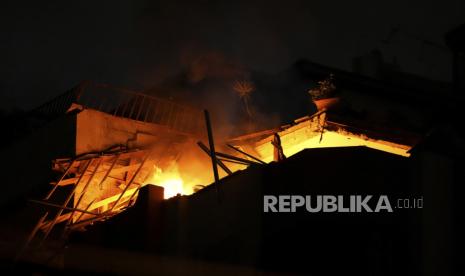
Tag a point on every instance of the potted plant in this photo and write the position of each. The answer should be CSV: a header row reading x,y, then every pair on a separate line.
x,y
324,94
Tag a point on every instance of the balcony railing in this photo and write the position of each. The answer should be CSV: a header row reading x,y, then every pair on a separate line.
x,y
127,104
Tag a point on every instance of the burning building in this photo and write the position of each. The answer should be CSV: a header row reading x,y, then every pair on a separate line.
x,y
120,158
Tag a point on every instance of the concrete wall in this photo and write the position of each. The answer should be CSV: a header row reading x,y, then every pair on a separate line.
x,y
437,178
97,131
231,228
224,227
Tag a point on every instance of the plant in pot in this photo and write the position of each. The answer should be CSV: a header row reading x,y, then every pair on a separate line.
x,y
324,94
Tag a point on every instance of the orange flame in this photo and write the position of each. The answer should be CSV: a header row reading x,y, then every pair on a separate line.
x,y
173,181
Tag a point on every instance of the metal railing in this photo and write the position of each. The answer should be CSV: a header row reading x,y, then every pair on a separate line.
x,y
127,104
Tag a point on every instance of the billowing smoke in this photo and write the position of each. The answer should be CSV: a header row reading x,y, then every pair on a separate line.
x,y
210,80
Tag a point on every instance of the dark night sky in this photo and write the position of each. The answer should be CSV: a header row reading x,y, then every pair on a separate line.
x,y
48,47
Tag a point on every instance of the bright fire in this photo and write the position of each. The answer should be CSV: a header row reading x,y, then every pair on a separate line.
x,y
184,175
173,181
170,180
